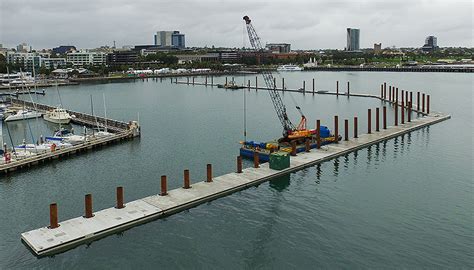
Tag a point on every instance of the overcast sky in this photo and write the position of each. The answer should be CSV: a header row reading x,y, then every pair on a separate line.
x,y
306,24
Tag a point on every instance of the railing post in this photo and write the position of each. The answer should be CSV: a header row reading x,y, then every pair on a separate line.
x,y
346,129
384,117
88,206
119,195
403,110
318,134
337,88
164,188
377,119
256,160
186,179
53,216
385,91
209,173
239,164
336,128
307,145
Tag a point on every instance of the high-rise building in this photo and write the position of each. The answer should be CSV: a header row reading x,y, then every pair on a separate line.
x,y
178,40
170,39
23,47
353,39
431,43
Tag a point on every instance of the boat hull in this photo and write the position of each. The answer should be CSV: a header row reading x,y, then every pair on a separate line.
x,y
63,121
22,117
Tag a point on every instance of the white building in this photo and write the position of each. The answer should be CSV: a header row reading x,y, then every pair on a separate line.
x,y
84,58
53,63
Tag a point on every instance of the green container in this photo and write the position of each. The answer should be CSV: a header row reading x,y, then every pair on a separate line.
x,y
279,160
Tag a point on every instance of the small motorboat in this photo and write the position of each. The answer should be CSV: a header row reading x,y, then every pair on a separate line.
x,y
58,116
22,115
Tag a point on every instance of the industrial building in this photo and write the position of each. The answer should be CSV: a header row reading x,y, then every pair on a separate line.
x,y
278,47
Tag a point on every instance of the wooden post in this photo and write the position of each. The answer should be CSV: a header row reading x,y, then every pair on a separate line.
x,y
318,134
313,86
256,160
336,128
187,80
225,80
307,145
212,80
205,82
274,83
423,103
409,111
304,87
418,101
406,98
346,130
377,119
53,216
293,148
381,91
119,195
186,179
393,94
256,80
337,88
355,127
396,95
88,206
164,188
411,97
390,93
396,114
283,84
193,80
369,121
427,104
385,91
384,117
402,110
348,89
239,164
248,85
209,173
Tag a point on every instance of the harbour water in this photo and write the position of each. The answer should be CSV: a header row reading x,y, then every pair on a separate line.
x,y
406,202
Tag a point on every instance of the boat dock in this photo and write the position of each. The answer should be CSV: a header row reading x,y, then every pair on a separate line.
x,y
121,131
61,236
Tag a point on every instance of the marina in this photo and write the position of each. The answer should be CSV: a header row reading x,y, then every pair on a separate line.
x,y
60,236
17,159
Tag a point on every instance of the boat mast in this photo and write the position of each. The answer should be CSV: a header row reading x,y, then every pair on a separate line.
x,y
105,112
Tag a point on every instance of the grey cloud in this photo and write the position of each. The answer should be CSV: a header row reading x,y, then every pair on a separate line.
x,y
303,23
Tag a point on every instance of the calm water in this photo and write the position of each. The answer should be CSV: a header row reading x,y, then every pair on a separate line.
x,y
404,203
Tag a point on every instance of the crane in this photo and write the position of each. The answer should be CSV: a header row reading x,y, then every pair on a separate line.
x,y
290,132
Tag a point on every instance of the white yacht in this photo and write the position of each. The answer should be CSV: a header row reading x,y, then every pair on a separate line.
x,y
289,68
22,115
66,136
58,116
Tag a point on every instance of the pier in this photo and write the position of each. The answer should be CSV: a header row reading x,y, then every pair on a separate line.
x,y
121,131
64,235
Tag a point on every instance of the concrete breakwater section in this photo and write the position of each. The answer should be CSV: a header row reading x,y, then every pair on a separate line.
x,y
119,131
61,236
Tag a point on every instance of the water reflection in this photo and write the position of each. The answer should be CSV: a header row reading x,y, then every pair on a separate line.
x,y
280,183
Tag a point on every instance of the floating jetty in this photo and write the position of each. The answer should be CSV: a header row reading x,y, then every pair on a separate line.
x,y
61,236
121,131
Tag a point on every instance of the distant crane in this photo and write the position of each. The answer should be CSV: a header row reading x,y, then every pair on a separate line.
x,y
290,132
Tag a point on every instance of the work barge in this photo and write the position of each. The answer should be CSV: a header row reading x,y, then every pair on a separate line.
x,y
61,236
120,131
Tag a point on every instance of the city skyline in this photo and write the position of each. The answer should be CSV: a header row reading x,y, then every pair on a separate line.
x,y
304,24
